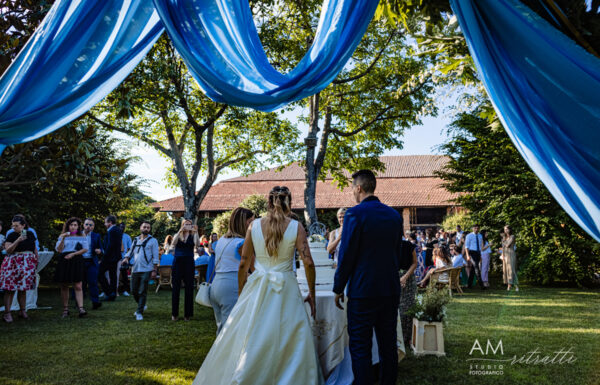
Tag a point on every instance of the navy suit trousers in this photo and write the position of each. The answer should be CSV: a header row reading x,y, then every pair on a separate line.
x,y
364,316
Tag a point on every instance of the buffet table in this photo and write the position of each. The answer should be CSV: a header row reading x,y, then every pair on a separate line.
x,y
32,295
331,338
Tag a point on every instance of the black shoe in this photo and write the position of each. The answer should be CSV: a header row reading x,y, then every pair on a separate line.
x,y
96,305
109,298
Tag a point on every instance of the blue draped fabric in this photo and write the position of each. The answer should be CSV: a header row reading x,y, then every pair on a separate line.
x,y
546,90
81,51
218,41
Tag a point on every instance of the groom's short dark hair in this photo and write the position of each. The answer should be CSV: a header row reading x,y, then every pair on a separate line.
x,y
366,180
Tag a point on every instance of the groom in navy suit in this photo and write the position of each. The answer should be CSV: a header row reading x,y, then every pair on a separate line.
x,y
368,266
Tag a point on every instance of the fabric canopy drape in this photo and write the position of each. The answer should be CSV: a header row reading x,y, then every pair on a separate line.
x,y
81,51
546,90
218,41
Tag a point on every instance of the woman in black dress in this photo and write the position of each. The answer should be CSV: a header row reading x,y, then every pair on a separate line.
x,y
71,246
430,242
185,242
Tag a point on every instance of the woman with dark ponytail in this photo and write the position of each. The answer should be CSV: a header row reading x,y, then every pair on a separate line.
x,y
268,319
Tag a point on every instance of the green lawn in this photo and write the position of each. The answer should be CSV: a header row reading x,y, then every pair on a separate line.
x,y
110,347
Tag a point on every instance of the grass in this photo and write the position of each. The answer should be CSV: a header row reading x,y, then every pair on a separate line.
x,y
110,347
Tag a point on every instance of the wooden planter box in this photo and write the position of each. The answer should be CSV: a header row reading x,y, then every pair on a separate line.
x,y
427,338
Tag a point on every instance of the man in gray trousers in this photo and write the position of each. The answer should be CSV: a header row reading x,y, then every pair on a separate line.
x,y
143,257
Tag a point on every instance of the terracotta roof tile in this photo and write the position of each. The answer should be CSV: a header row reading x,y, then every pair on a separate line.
x,y
407,182
406,166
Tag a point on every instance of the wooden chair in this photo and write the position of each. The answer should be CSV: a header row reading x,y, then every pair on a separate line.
x,y
201,274
164,277
453,279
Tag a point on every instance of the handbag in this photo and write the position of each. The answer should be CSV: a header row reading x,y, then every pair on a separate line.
x,y
203,295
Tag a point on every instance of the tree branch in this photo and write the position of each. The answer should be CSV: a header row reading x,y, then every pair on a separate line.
x,y
133,134
228,163
370,67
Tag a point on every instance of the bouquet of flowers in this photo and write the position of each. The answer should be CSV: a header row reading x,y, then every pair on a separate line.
x,y
431,306
316,238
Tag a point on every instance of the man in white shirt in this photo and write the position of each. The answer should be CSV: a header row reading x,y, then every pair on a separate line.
x,y
459,234
143,257
473,246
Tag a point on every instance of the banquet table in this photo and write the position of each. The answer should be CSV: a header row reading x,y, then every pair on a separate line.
x,y
330,331
32,295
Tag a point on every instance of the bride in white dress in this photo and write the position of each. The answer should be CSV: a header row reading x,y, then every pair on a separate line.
x,y
267,338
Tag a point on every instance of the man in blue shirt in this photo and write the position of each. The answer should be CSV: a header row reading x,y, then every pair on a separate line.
x,y
473,246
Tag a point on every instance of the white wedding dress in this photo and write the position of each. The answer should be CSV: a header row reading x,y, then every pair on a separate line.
x,y
267,338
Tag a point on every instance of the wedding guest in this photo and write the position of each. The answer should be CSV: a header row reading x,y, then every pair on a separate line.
x,y
143,257
29,230
472,250
70,269
213,243
166,259
368,266
460,241
430,242
335,237
123,269
442,261
459,234
408,283
457,259
90,262
112,255
224,289
486,252
2,237
17,272
419,272
184,243
509,259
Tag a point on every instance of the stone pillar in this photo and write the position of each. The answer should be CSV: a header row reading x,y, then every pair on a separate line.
x,y
406,219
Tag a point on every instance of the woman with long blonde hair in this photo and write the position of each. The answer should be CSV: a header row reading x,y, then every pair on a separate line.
x,y
269,318
185,242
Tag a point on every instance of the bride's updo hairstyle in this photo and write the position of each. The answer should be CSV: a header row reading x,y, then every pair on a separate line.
x,y
278,210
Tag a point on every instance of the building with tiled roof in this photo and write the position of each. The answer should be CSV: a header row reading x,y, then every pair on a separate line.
x,y
408,184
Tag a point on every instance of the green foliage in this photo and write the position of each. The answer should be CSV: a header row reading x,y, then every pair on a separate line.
x,y
18,20
431,306
71,172
256,203
499,188
161,105
221,223
461,219
138,211
164,224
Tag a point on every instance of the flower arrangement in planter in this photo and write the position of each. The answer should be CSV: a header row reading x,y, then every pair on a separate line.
x,y
429,317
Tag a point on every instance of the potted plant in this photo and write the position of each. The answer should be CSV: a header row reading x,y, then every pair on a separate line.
x,y
429,316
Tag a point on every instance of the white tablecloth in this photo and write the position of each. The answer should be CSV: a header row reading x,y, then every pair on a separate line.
x,y
32,295
330,330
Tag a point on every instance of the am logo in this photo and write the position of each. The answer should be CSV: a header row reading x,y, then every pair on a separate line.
x,y
489,347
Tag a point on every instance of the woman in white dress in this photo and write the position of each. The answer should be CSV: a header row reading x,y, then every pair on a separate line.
x,y
267,338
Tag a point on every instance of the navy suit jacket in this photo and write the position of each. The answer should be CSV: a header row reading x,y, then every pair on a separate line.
x,y
96,244
112,244
370,249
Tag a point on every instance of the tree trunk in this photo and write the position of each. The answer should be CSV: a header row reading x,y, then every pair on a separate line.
x,y
310,171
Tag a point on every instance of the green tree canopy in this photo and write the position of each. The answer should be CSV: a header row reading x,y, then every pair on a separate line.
x,y
499,188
